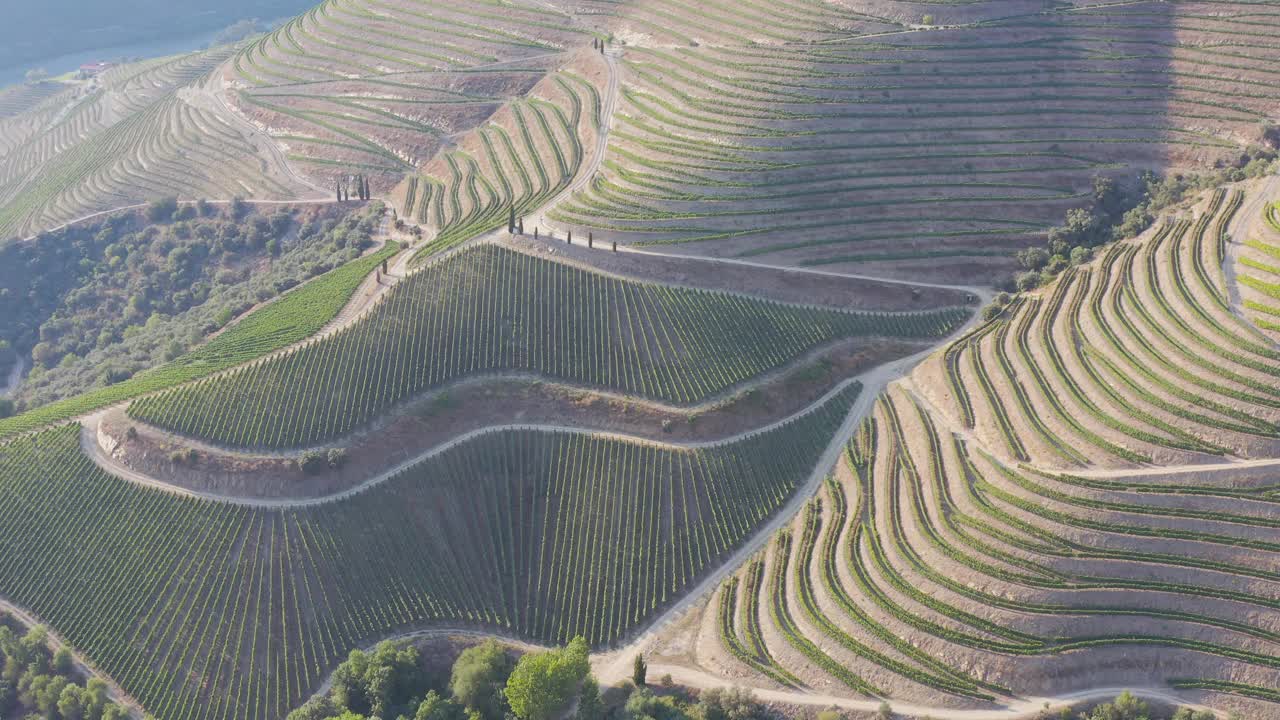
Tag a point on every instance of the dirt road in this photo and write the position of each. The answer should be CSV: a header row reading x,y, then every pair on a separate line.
x,y
1022,708
98,447
587,173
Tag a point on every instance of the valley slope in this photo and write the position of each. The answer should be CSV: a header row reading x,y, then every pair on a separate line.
x,y
673,342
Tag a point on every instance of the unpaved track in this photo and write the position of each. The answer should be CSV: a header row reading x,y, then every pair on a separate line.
x,y
711,403
1030,707
94,444
983,293
1174,469
587,173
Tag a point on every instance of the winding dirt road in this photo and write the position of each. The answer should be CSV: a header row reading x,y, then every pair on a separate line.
x,y
97,446
1022,708
608,104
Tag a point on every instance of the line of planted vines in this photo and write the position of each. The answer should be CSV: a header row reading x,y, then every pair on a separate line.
x,y
947,144
1137,351
1259,269
918,507
213,610
488,309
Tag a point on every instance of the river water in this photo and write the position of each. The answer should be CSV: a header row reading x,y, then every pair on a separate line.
x,y
173,44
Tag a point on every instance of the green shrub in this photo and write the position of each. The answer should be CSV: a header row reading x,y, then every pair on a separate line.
x,y
336,458
478,676
161,210
312,462
543,683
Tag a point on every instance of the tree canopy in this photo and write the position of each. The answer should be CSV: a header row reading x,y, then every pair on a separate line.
x,y
543,683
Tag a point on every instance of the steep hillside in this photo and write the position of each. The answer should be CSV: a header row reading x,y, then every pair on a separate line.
x,y
904,139
135,134
1076,494
810,138
96,302
744,246
224,610
494,311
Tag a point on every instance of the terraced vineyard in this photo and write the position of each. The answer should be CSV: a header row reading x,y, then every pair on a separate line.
x,y
1257,270
928,569
828,134
1077,493
491,310
1136,358
523,157
213,610
19,99
967,549
144,132
381,84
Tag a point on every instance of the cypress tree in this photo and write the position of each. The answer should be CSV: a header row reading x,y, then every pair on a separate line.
x,y
520,226
569,238
511,220
338,188
591,240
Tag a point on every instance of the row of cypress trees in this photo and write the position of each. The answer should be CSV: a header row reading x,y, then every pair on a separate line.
x,y
342,188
